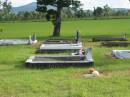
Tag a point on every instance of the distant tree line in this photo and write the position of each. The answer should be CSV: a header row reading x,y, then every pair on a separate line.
x,y
6,13
97,13
108,12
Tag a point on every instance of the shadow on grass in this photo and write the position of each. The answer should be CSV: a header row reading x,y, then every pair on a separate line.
x,y
20,65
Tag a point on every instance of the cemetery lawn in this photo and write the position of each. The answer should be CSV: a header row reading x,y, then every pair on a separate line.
x,y
18,81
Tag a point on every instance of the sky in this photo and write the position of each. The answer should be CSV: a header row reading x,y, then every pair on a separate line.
x,y
87,4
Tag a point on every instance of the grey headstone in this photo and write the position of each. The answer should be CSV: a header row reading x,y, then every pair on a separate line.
x,y
77,36
30,40
33,37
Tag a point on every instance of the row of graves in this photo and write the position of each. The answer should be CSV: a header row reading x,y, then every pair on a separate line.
x,y
78,56
115,42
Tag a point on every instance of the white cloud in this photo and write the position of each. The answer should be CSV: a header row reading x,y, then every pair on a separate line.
x,y
88,4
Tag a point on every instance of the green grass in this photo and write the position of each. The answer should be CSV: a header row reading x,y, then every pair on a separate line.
x,y
19,81
88,28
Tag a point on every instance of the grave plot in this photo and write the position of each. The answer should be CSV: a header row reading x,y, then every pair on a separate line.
x,y
31,40
115,43
103,38
98,39
61,61
13,41
59,41
121,54
61,45
64,41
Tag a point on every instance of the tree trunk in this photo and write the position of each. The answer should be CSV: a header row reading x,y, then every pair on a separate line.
x,y
57,25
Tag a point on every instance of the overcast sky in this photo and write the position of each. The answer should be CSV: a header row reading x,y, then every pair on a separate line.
x,y
88,4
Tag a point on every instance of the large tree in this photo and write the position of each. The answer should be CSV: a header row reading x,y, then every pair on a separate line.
x,y
53,9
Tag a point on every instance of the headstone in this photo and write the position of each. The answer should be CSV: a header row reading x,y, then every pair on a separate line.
x,y
77,36
30,40
33,37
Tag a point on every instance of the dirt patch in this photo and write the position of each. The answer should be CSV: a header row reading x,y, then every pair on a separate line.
x,y
91,44
117,73
104,74
77,74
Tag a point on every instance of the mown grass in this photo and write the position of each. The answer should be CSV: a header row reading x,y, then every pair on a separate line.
x,y
18,81
88,28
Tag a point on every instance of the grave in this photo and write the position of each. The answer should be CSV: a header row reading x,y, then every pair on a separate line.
x,y
61,45
121,54
5,42
103,38
115,43
98,39
59,41
61,61
64,41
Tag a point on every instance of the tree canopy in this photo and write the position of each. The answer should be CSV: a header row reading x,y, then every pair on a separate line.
x,y
53,9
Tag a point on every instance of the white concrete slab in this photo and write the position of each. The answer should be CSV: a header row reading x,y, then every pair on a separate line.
x,y
75,46
121,54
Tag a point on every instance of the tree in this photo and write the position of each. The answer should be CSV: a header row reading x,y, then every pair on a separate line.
x,y
0,5
89,13
6,9
80,13
77,10
67,13
54,13
98,12
107,11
